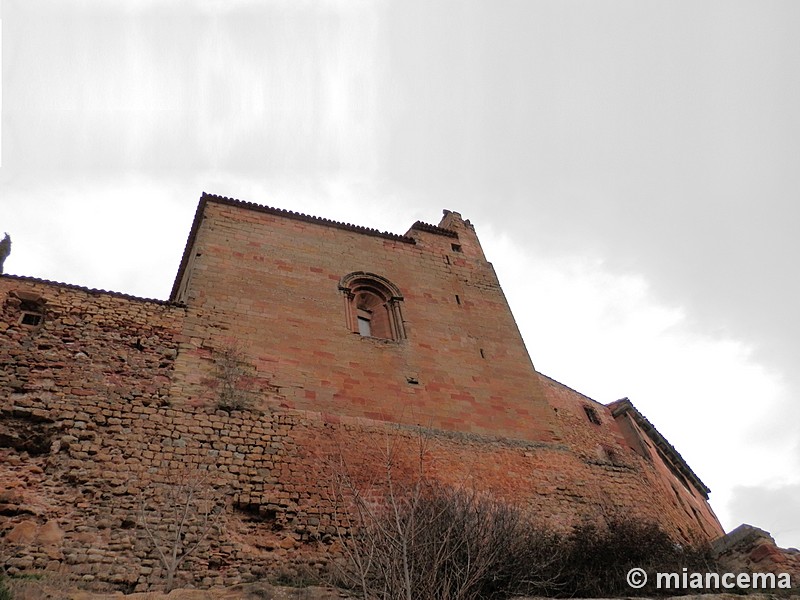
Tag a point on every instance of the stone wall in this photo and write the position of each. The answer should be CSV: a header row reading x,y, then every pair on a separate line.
x,y
269,283
106,400
70,389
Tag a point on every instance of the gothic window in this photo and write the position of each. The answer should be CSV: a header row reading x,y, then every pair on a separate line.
x,y
372,306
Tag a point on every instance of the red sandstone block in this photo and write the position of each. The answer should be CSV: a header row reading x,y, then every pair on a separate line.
x,y
764,551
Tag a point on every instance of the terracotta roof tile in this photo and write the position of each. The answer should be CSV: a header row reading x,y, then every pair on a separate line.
x,y
307,218
205,198
420,226
81,288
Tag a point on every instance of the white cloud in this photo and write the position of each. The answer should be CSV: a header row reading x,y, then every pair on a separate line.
x,y
782,519
607,336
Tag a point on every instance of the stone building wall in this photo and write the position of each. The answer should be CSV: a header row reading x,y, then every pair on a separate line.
x,y
107,397
270,284
680,502
75,390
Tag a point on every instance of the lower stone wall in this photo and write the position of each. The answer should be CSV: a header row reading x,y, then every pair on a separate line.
x,y
89,429
77,506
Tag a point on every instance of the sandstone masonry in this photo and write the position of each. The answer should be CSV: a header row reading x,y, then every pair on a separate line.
x,y
350,341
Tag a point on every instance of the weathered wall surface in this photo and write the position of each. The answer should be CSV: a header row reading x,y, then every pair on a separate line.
x,y
748,549
70,389
677,501
270,284
88,424
109,393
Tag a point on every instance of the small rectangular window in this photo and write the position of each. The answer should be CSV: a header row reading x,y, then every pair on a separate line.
x,y
31,319
364,327
456,247
591,414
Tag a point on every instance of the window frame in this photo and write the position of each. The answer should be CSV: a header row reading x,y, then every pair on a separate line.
x,y
591,415
355,286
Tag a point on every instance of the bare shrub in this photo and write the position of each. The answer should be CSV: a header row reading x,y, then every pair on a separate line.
x,y
39,584
470,545
421,540
233,379
406,536
5,592
598,555
178,514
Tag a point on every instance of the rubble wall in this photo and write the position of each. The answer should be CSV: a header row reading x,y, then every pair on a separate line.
x,y
108,401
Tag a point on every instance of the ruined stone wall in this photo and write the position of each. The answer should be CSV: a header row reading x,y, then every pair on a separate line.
x,y
70,388
677,501
750,549
107,399
88,423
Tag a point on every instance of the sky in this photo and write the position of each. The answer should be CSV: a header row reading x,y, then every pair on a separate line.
x,y
631,168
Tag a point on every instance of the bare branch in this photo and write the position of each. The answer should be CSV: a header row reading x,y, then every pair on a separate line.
x,y
422,540
178,516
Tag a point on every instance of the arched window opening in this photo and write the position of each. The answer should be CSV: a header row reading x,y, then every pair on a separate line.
x,y
372,306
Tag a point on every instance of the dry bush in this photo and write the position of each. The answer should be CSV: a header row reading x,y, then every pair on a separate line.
x,y
178,515
39,585
233,379
598,556
421,540
407,537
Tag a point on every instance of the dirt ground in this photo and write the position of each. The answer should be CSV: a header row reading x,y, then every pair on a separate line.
x,y
59,590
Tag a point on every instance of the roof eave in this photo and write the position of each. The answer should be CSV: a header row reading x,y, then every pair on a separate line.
x,y
623,406
187,251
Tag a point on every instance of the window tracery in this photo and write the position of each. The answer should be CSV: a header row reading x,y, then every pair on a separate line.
x,y
372,306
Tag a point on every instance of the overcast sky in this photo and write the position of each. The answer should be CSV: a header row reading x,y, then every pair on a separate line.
x,y
632,169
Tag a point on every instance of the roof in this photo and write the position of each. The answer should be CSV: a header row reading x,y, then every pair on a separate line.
x,y
420,226
206,198
88,290
625,406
